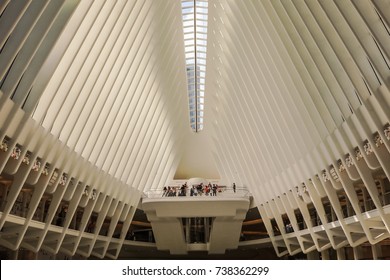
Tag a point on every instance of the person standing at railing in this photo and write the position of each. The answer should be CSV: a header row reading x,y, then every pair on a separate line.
x,y
207,189
234,187
195,191
165,191
215,187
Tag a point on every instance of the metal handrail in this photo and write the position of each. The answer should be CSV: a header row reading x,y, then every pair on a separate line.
x,y
222,191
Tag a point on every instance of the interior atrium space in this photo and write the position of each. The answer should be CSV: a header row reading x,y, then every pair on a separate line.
x,y
195,129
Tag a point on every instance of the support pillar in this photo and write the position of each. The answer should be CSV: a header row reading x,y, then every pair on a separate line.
x,y
376,251
26,197
341,254
188,229
14,255
325,255
206,230
313,255
357,252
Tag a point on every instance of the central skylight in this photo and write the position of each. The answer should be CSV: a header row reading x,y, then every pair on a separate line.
x,y
194,14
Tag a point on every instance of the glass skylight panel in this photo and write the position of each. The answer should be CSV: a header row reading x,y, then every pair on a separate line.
x,y
194,15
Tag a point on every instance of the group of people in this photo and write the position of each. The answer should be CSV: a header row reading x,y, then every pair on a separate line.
x,y
210,189
174,191
195,190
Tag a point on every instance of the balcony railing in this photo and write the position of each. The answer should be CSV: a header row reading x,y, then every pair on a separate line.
x,y
178,191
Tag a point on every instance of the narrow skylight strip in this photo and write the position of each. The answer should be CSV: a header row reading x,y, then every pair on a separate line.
x,y
194,14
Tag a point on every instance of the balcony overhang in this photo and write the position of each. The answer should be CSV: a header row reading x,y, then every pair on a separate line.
x,y
166,216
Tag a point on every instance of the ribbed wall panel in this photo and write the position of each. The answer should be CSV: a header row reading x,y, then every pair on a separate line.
x,y
105,84
107,101
333,66
297,95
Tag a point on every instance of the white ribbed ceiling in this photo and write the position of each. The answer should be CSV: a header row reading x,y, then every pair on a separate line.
x,y
292,87
283,80
116,96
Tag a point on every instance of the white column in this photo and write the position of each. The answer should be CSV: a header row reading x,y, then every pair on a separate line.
x,y
376,251
325,255
357,252
313,255
341,253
